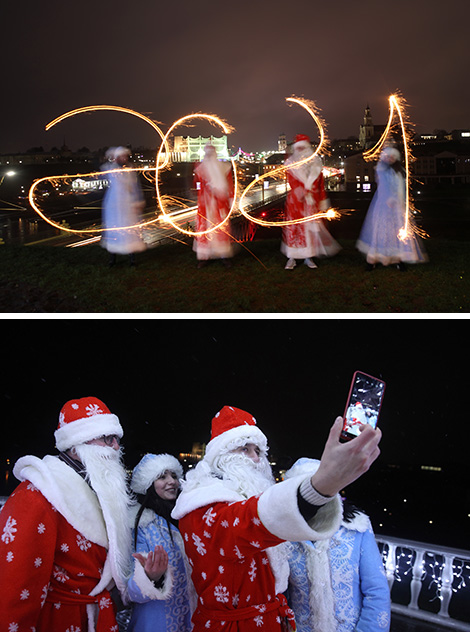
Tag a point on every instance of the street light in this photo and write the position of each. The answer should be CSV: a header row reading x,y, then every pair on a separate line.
x,y
9,174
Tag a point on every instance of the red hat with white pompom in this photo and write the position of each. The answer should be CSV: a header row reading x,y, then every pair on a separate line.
x,y
301,140
82,420
233,427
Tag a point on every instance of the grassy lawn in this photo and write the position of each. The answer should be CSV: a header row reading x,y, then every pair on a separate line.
x,y
47,279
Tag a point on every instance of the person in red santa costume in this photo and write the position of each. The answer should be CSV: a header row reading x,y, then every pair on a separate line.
x,y
235,521
214,183
64,537
306,197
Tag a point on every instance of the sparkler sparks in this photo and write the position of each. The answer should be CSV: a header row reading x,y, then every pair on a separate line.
x,y
398,104
280,172
55,180
168,217
115,108
185,209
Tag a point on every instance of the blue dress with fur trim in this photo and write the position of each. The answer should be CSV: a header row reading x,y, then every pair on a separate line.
x,y
385,218
168,608
360,592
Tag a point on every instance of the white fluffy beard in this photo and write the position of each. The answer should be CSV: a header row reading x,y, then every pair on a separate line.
x,y
243,475
107,476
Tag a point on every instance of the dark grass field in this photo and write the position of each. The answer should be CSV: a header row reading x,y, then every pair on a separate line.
x,y
45,279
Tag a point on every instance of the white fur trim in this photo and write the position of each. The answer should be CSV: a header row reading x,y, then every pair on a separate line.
x,y
150,468
145,519
76,502
360,522
252,434
147,587
279,563
279,512
302,144
86,429
67,492
321,597
202,496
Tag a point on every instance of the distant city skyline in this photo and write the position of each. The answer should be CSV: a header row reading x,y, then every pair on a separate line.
x,y
436,133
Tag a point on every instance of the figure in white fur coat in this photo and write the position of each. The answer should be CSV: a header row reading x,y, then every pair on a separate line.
x,y
161,589
339,584
234,520
64,539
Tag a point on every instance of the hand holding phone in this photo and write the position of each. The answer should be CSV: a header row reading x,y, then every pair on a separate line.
x,y
363,404
343,463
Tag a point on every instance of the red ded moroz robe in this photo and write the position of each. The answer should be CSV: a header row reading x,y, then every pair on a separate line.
x,y
306,198
238,577
48,568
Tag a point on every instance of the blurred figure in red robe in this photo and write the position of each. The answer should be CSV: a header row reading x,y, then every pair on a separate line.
x,y
214,183
306,197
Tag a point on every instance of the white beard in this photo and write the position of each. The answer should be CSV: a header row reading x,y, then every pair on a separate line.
x,y
107,476
243,475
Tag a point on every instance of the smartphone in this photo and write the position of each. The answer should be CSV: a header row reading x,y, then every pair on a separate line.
x,y
363,405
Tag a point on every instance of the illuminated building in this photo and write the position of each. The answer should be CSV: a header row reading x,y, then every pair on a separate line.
x,y
273,162
359,175
190,149
79,185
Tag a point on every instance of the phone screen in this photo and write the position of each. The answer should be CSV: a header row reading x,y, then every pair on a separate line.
x,y
363,405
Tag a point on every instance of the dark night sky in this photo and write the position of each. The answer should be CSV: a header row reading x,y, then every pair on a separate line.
x,y
166,379
239,61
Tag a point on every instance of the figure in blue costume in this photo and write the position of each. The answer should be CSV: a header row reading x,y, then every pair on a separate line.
x,y
161,588
379,239
123,204
339,584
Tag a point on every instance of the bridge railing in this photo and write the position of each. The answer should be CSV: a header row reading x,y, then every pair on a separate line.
x,y
428,582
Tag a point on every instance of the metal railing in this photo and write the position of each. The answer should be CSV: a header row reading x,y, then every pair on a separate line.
x,y
428,582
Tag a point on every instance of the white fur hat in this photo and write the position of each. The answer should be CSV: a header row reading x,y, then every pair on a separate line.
x,y
232,427
304,466
390,152
84,419
121,151
151,467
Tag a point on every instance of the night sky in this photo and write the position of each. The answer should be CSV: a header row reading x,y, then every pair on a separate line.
x,y
237,60
166,379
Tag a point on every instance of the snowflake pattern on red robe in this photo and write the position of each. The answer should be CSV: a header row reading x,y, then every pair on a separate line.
x,y
226,546
306,239
48,569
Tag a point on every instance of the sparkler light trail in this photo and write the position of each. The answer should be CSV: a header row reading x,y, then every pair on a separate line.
x,y
397,103
57,179
167,217
115,108
162,161
280,172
